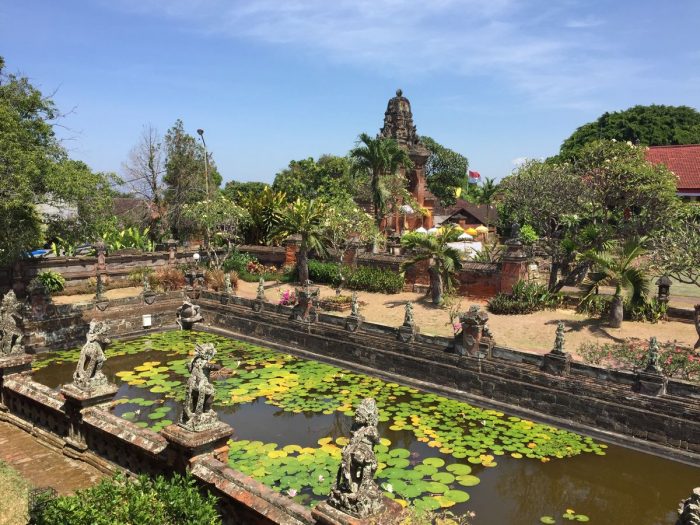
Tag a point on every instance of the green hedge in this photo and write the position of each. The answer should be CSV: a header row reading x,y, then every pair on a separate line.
x,y
526,298
143,501
363,278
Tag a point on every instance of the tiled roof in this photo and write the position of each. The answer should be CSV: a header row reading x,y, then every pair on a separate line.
x,y
479,211
684,161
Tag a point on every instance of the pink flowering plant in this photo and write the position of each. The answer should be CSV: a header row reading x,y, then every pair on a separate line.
x,y
287,297
680,362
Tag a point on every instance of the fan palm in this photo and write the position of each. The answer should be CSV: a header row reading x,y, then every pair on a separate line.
x,y
615,266
305,218
443,260
379,156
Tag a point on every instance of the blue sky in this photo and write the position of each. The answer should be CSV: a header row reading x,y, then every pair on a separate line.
x,y
275,80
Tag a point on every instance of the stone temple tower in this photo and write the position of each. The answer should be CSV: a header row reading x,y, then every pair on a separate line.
x,y
398,125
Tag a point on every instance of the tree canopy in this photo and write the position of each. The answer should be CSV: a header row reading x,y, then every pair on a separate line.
x,y
240,191
328,176
445,171
653,125
35,169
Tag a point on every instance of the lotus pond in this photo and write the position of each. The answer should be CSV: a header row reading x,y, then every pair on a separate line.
x,y
292,417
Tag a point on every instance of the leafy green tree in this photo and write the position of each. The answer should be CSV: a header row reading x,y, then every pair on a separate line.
x,y
185,180
35,169
220,221
264,210
618,266
676,249
653,125
443,260
306,218
238,192
445,171
329,177
486,194
379,157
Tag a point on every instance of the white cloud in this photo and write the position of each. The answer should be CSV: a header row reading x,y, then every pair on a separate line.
x,y
525,44
517,161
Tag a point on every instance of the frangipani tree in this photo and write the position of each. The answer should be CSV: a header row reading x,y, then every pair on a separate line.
x,y
443,260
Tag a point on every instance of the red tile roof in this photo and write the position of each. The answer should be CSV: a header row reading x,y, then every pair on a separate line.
x,y
684,161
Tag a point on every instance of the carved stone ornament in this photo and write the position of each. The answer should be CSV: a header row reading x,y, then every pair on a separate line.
x,y
689,509
11,322
559,339
88,373
653,366
475,328
307,301
408,319
261,290
355,492
197,414
188,314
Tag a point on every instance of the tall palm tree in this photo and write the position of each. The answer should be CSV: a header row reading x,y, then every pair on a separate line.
x,y
486,195
615,266
305,218
443,260
379,156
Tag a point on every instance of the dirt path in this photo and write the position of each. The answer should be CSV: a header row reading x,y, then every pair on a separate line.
x,y
533,332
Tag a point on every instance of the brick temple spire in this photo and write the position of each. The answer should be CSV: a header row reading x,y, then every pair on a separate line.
x,y
398,125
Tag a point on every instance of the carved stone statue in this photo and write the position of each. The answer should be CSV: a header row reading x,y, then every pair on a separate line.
x,y
188,314
11,321
559,339
228,288
689,509
146,284
355,306
653,366
408,319
261,290
355,491
197,414
474,328
307,301
88,373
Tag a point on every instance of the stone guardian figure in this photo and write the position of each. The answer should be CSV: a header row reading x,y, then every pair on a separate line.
x,y
355,491
689,509
88,373
197,414
11,321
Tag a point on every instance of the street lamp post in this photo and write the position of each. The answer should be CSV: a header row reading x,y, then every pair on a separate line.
x,y
200,132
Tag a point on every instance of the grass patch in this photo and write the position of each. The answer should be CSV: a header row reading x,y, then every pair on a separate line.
x,y
14,489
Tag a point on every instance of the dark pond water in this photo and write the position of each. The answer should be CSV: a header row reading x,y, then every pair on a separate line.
x,y
291,417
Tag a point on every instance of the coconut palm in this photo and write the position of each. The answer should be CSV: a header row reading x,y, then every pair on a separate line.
x,y
486,195
305,218
615,266
443,260
379,156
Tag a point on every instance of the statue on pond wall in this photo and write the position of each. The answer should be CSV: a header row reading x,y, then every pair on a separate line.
x,y
88,373
689,509
197,414
11,320
355,491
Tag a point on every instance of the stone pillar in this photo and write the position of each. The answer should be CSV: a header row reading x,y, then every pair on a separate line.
x,y
77,400
17,279
172,252
101,250
185,446
514,265
9,366
291,249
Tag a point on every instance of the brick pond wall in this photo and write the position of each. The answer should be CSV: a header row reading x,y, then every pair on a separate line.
x,y
586,398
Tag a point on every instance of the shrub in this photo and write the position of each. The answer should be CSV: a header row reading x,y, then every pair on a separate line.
x,y
216,279
675,360
287,297
143,501
52,281
375,280
137,274
249,269
237,261
325,272
526,298
169,279
598,306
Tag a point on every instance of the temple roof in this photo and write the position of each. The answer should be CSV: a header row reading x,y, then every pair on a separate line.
x,y
398,125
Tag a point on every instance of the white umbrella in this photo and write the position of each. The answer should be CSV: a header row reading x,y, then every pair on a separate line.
x,y
407,209
465,237
421,230
433,230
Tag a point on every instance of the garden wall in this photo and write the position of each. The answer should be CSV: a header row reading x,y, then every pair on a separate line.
x,y
604,403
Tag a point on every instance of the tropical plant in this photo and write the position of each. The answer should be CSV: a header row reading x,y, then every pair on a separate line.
x,y
169,278
676,249
143,501
52,282
618,266
445,171
305,218
526,297
487,195
264,209
378,157
131,237
443,260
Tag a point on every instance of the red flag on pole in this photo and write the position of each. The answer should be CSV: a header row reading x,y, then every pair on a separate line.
x,y
474,177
